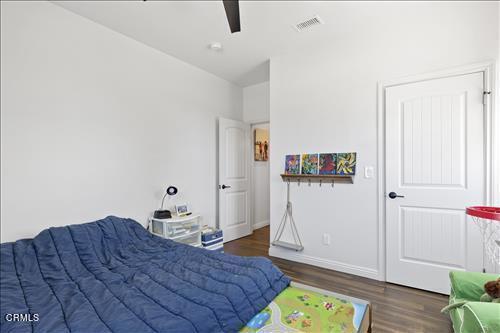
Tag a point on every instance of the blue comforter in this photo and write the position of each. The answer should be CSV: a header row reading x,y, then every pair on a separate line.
x,y
114,276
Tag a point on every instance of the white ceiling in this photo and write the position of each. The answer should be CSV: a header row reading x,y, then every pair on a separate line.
x,y
184,29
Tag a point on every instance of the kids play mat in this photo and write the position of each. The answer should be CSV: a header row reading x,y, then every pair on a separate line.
x,y
300,308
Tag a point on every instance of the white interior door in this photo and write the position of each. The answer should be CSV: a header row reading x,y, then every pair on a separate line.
x,y
435,161
234,179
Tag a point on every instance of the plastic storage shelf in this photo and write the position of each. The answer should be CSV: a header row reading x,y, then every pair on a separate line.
x,y
183,229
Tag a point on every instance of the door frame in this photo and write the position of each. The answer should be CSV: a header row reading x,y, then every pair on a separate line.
x,y
491,141
252,162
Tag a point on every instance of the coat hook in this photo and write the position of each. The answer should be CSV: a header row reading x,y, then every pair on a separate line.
x,y
298,182
333,183
320,181
309,181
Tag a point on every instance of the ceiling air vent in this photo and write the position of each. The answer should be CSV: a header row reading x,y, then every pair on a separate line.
x,y
316,20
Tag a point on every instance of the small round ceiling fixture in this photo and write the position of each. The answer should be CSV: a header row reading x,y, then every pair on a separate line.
x,y
215,46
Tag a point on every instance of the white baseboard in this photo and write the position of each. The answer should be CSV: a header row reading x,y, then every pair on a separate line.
x,y
260,224
324,263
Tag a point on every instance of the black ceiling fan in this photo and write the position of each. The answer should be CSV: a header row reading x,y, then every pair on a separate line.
x,y
232,8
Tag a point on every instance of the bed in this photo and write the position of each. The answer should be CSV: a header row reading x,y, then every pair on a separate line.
x,y
114,276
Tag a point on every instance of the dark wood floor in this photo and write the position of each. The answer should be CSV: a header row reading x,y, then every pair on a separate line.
x,y
395,308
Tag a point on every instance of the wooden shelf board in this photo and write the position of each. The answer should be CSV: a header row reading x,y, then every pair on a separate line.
x,y
284,175
339,178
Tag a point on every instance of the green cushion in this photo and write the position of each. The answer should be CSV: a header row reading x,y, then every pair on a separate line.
x,y
469,285
481,317
474,316
457,318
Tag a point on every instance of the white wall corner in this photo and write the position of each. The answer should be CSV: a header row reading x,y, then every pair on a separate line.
x,y
261,224
256,103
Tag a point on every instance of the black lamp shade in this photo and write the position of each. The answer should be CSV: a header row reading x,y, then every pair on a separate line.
x,y
172,190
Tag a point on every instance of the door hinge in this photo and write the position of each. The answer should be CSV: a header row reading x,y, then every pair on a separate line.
x,y
485,96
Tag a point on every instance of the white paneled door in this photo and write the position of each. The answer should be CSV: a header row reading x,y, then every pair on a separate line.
x,y
234,182
435,168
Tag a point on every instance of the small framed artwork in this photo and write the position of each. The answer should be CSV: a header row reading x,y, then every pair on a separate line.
x,y
309,164
327,164
181,209
292,164
261,144
346,163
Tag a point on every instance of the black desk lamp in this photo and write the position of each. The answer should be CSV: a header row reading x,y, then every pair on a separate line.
x,y
165,213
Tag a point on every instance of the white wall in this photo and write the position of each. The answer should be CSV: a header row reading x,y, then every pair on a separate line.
x,y
256,103
260,187
326,100
94,123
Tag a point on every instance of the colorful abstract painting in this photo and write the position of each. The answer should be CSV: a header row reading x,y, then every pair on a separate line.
x,y
327,164
310,164
292,164
346,163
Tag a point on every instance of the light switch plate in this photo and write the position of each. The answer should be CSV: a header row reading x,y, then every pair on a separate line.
x,y
326,239
368,172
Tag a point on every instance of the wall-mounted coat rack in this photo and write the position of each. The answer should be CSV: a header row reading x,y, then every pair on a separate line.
x,y
321,179
288,216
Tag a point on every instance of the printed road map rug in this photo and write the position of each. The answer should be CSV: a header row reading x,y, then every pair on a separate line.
x,y
300,308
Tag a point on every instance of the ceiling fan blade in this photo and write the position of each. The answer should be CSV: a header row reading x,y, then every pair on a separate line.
x,y
232,8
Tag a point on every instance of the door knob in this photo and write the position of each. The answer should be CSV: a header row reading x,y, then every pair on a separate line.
x,y
394,195
225,186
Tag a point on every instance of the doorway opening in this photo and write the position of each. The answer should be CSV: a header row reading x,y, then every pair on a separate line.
x,y
243,177
260,175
